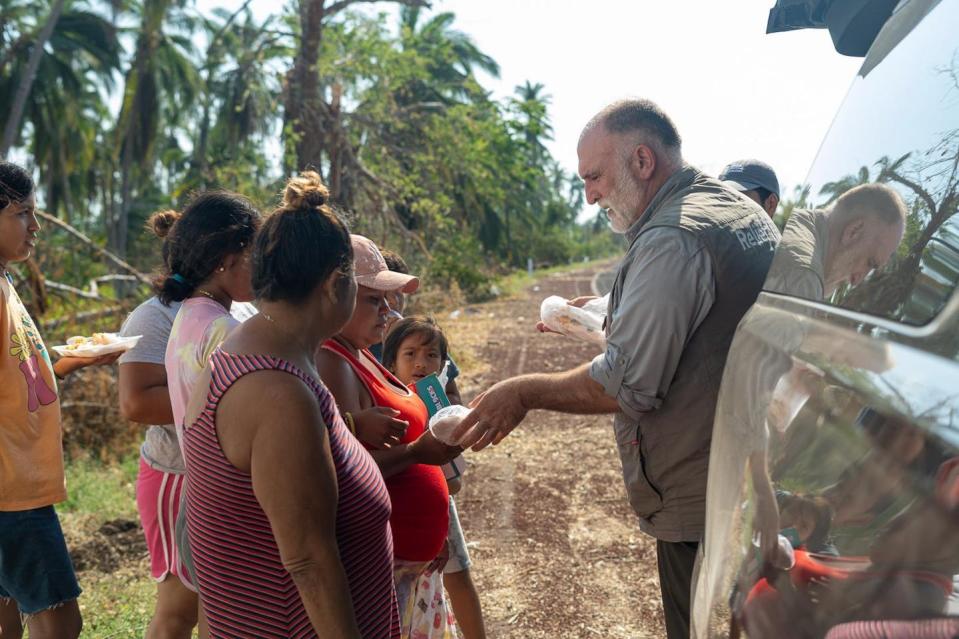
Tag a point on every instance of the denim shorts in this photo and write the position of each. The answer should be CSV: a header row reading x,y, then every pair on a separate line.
x,y
35,567
459,555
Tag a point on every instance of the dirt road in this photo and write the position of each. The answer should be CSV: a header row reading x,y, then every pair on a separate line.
x,y
557,551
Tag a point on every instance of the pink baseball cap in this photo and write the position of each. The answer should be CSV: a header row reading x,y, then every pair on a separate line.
x,y
372,272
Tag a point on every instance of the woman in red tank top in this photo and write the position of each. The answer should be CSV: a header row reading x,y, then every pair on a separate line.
x,y
411,467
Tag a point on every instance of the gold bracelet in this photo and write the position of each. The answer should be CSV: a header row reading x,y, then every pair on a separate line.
x,y
350,423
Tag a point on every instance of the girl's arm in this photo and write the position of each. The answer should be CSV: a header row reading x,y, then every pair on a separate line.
x,y
144,396
66,365
453,393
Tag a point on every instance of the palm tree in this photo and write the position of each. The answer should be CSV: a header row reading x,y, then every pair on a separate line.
x,y
530,108
241,90
159,89
798,200
536,193
29,74
17,32
840,186
15,29
67,105
451,57
304,110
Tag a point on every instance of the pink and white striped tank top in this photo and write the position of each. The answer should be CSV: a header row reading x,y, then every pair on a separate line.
x,y
246,592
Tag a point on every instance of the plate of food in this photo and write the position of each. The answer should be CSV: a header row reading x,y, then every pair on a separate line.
x,y
96,345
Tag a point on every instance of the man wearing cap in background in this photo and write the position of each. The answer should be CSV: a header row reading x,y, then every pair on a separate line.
x,y
754,179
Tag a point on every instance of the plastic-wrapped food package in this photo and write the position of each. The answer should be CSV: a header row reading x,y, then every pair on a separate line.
x,y
445,421
584,323
598,306
783,559
787,556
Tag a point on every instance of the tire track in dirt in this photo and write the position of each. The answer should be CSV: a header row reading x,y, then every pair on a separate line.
x,y
557,552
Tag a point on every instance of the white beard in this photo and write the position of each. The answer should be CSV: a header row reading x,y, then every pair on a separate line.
x,y
617,223
622,202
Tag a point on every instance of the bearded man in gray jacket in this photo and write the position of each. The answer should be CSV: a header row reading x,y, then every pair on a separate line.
x,y
698,254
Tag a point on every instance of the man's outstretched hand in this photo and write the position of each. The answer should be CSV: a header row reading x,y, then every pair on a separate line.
x,y
582,300
495,414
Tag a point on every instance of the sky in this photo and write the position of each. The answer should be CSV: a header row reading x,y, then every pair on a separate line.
x,y
733,91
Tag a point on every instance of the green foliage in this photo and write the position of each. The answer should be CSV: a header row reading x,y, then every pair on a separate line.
x,y
113,604
459,258
103,491
798,200
413,147
65,106
456,162
117,605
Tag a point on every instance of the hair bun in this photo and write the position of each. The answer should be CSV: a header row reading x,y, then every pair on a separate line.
x,y
305,191
162,221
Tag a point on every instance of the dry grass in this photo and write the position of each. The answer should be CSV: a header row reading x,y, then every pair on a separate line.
x,y
92,425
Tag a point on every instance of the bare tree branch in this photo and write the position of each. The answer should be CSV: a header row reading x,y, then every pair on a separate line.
x,y
86,316
350,157
226,25
93,245
199,162
916,188
386,208
66,288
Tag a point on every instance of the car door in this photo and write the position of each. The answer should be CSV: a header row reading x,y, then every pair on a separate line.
x,y
833,495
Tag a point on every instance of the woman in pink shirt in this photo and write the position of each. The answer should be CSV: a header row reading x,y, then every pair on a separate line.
x,y
206,253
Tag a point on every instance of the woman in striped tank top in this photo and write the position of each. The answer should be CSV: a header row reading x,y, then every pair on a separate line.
x,y
288,514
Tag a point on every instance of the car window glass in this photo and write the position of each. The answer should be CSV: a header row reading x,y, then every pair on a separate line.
x,y
833,490
904,141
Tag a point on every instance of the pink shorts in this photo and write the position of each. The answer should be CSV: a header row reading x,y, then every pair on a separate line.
x,y
158,502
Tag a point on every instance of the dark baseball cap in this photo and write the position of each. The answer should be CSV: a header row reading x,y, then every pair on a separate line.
x,y
746,175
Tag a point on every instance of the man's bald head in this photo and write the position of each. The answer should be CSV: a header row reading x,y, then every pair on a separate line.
x,y
626,153
877,201
640,121
866,225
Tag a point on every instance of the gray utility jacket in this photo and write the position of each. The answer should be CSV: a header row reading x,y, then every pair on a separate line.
x,y
697,260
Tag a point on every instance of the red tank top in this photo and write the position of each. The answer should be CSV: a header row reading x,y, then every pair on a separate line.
x,y
420,498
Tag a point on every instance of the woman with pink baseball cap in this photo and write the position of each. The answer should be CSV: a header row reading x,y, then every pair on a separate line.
x,y
411,463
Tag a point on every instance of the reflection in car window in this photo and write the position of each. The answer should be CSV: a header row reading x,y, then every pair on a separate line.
x,y
833,490
907,142
868,507
937,278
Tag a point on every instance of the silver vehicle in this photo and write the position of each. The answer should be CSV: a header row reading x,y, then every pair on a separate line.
x,y
833,498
